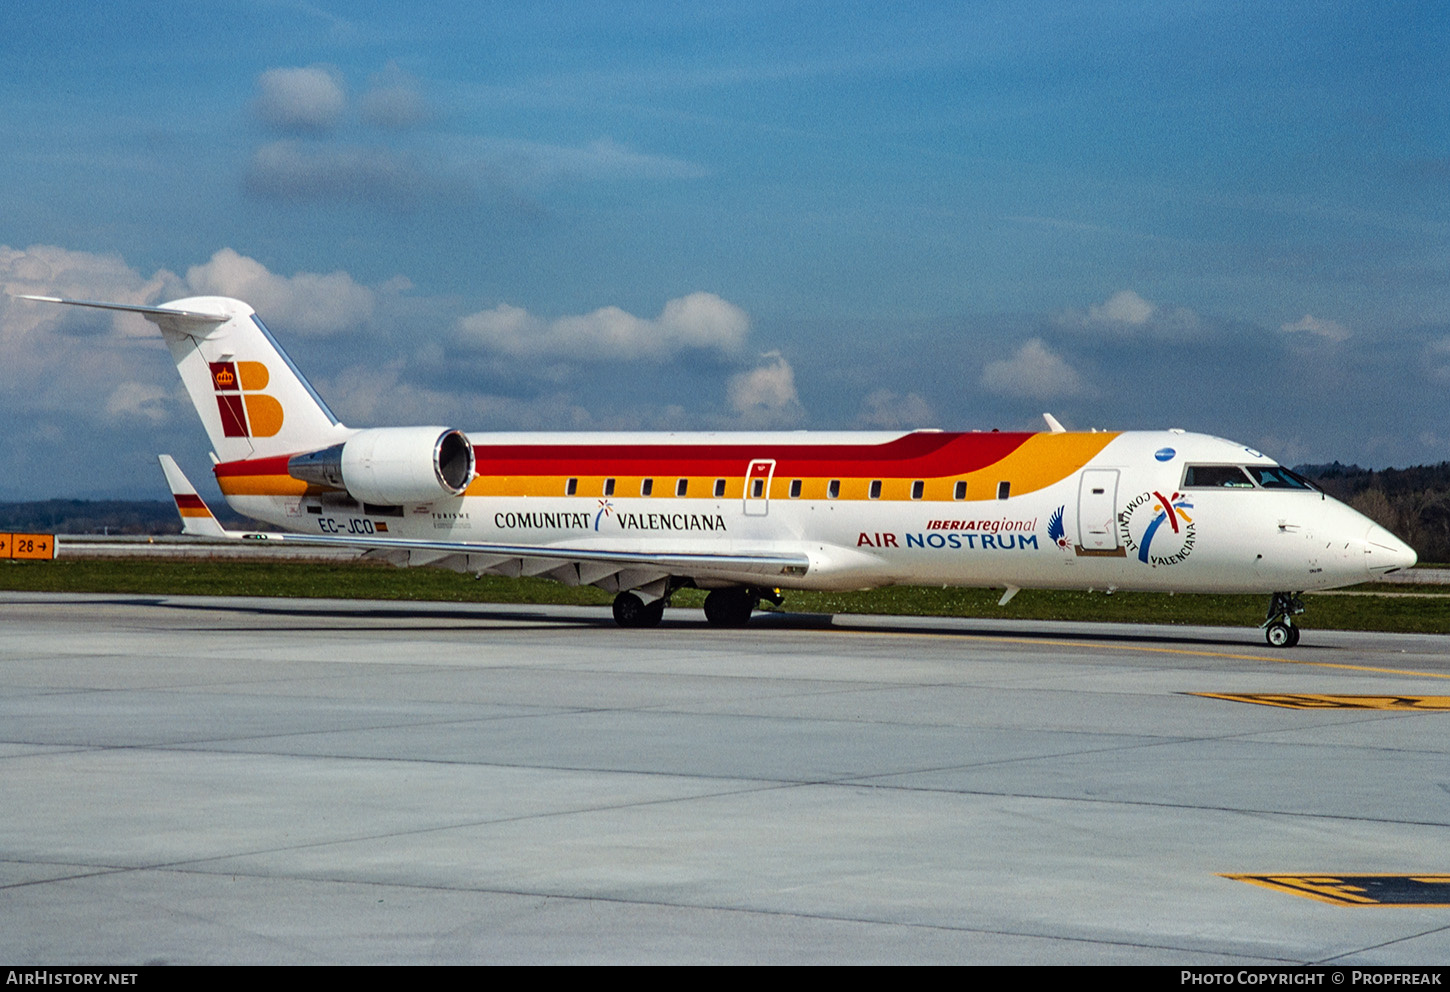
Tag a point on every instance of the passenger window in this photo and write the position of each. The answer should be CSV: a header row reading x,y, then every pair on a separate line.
x,y
795,489
647,487
757,488
609,487
1215,477
719,488
682,486
875,489
571,487
918,488
960,492
833,489
1004,489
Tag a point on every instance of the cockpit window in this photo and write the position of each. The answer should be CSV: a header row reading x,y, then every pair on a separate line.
x,y
1278,477
1216,477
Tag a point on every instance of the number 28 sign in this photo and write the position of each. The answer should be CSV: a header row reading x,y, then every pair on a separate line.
x,y
27,546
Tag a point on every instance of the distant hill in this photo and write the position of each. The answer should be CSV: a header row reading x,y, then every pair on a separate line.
x,y
104,516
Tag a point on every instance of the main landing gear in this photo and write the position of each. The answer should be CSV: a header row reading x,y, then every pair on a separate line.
x,y
632,611
1279,628
732,607
723,607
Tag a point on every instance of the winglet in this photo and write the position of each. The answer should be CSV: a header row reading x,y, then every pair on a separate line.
x,y
196,517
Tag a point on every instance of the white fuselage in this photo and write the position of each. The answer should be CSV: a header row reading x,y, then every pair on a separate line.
x,y
1101,524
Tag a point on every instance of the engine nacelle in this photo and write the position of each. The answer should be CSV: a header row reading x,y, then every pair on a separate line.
x,y
391,466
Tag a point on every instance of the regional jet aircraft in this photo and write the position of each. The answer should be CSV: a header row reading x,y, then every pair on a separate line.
x,y
746,515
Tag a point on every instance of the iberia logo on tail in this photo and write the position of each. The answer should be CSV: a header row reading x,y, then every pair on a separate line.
x,y
245,411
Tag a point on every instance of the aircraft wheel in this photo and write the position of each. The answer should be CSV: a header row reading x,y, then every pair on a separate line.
x,y
1281,635
729,607
631,611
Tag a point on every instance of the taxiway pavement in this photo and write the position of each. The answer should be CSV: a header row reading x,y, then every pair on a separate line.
x,y
207,780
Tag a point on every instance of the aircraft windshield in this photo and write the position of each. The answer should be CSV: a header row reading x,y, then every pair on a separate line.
x,y
1244,477
1278,477
1216,477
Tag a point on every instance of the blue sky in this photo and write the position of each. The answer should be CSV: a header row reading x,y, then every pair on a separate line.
x,y
1229,217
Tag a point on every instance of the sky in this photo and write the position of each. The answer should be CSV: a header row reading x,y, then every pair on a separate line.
x,y
1229,217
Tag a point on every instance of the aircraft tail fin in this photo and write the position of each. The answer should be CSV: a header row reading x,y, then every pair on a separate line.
x,y
196,517
252,400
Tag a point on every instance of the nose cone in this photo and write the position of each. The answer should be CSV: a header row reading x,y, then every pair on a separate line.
x,y
1385,553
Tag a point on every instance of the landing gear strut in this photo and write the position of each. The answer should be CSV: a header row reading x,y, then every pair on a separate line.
x,y
632,611
1279,628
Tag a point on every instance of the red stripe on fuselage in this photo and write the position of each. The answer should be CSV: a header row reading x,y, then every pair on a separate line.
x,y
921,455
276,465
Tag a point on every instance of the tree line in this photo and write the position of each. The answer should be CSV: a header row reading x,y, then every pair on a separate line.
x,y
1413,503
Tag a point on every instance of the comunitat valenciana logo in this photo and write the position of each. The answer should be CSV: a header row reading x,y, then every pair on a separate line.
x,y
244,409
606,509
1157,528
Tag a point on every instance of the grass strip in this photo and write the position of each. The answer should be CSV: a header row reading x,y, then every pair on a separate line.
x,y
196,577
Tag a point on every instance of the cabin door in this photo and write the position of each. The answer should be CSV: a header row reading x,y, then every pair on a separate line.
x,y
757,486
1097,510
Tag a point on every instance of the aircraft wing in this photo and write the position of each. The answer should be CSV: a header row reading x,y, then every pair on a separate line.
x,y
612,570
533,557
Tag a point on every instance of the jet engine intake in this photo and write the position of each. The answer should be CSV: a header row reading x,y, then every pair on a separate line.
x,y
392,465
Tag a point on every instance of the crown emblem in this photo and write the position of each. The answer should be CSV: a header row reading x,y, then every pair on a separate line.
x,y
225,377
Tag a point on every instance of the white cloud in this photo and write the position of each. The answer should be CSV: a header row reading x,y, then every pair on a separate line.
x,y
80,363
394,102
1329,330
884,408
310,99
307,303
140,399
698,322
1124,306
766,395
1125,314
1034,372
308,170
382,395
1436,363
532,163
46,270
86,365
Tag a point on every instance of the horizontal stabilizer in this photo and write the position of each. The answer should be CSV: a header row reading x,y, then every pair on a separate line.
x,y
189,316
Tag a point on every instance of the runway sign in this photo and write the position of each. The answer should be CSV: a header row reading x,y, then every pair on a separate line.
x,y
27,546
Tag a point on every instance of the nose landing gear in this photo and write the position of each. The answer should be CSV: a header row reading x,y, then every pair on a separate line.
x,y
1278,626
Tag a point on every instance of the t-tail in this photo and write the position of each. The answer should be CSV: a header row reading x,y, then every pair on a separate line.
x,y
252,400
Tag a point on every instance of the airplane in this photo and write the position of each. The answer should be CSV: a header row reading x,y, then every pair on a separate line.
x,y
747,515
